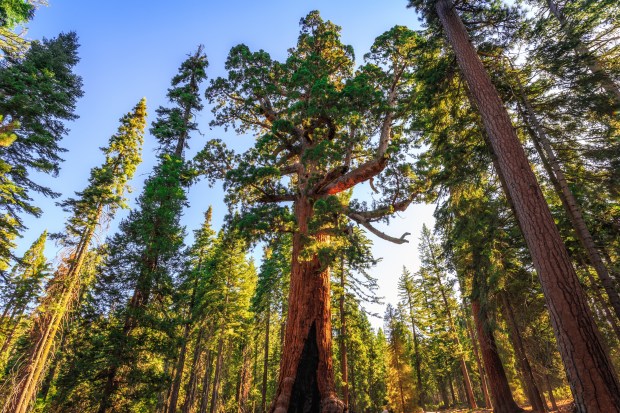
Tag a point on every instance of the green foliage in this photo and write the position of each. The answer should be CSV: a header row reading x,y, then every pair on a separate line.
x,y
39,93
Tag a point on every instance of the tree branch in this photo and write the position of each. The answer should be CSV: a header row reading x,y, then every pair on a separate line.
x,y
363,222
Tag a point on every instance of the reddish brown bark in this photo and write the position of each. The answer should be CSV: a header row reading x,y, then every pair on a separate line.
x,y
306,381
524,364
593,382
501,396
481,372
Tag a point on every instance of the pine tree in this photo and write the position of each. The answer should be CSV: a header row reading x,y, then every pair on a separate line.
x,y
23,286
146,254
39,93
575,330
95,204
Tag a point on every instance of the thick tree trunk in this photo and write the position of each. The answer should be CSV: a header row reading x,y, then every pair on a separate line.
x,y
593,382
501,395
306,381
263,403
481,372
517,343
190,393
343,341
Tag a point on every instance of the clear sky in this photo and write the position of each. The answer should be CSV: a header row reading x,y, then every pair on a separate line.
x,y
132,48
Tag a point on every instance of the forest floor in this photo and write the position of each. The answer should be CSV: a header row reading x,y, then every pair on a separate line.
x,y
564,406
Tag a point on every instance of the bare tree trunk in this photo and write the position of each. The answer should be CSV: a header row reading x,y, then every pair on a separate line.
x,y
306,381
190,394
266,361
593,382
47,324
481,372
554,405
218,372
517,343
502,399
206,384
343,343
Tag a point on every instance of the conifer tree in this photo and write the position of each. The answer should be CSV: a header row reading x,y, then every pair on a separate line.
x,y
577,334
145,255
95,204
23,286
316,120
39,93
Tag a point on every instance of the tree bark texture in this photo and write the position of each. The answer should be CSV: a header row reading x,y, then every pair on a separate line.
x,y
501,396
591,376
306,381
481,372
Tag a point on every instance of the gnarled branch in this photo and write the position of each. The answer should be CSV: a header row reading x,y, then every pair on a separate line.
x,y
363,222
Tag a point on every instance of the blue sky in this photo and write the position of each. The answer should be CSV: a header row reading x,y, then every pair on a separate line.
x,y
132,48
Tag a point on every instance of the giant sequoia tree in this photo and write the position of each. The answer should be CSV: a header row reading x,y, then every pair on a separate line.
x,y
322,128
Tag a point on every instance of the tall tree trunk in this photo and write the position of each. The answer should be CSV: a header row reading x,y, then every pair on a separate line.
x,y
463,366
139,300
517,343
206,384
306,381
501,395
263,402
343,340
416,350
218,373
190,393
46,326
593,382
178,377
554,405
481,372
553,167
455,401
611,320
444,393
594,65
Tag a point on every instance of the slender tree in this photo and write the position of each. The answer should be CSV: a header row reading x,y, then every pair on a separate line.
x,y
96,204
145,255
